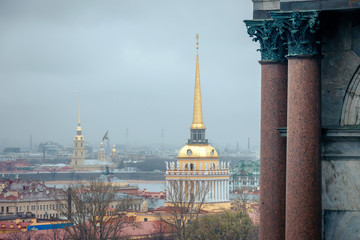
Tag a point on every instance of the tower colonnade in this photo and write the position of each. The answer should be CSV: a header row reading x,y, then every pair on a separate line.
x,y
290,171
204,190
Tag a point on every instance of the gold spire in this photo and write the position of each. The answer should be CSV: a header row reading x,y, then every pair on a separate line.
x,y
197,117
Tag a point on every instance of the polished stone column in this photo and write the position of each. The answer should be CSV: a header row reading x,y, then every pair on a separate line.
x,y
303,190
273,116
303,179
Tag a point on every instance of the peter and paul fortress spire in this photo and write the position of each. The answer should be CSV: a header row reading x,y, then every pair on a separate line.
x,y
198,175
197,129
78,156
78,128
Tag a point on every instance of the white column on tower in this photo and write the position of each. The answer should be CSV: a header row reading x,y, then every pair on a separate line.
x,y
219,194
216,191
221,190
212,190
224,190
196,190
227,190
183,190
187,190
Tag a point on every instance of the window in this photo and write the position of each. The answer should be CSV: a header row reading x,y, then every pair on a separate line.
x,y
27,208
20,208
145,219
7,209
17,210
2,209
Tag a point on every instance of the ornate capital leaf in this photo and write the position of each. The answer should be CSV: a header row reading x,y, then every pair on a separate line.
x,y
300,30
268,35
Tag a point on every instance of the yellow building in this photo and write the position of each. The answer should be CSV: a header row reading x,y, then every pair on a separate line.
x,y
78,161
101,153
198,170
78,156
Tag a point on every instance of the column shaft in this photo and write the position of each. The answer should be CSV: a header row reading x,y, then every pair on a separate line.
x,y
303,179
273,150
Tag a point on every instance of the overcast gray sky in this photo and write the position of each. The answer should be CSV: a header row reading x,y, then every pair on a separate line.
x,y
134,63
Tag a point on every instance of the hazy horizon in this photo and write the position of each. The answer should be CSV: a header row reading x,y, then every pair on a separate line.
x,y
133,62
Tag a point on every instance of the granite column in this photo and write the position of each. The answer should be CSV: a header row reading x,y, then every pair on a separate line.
x,y
303,178
273,115
273,150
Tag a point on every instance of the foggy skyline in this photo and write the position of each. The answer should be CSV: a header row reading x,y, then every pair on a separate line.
x,y
134,64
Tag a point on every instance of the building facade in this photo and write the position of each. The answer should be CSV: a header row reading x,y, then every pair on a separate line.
x,y
33,197
245,176
310,137
198,175
78,156
24,196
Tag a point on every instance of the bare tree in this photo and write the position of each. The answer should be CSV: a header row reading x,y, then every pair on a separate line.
x,y
242,199
185,205
95,211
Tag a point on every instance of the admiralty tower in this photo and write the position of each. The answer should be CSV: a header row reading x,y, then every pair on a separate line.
x,y
197,175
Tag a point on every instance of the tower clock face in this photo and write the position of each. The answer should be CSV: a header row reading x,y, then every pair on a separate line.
x,y
189,152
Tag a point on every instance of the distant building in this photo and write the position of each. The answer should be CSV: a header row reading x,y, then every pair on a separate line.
x,y
101,153
33,197
78,156
198,168
245,175
78,161
12,150
24,196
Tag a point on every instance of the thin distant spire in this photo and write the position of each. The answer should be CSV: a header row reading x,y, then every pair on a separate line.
x,y
197,115
79,109
78,128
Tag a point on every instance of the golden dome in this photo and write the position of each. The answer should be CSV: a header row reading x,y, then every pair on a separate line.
x,y
197,150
